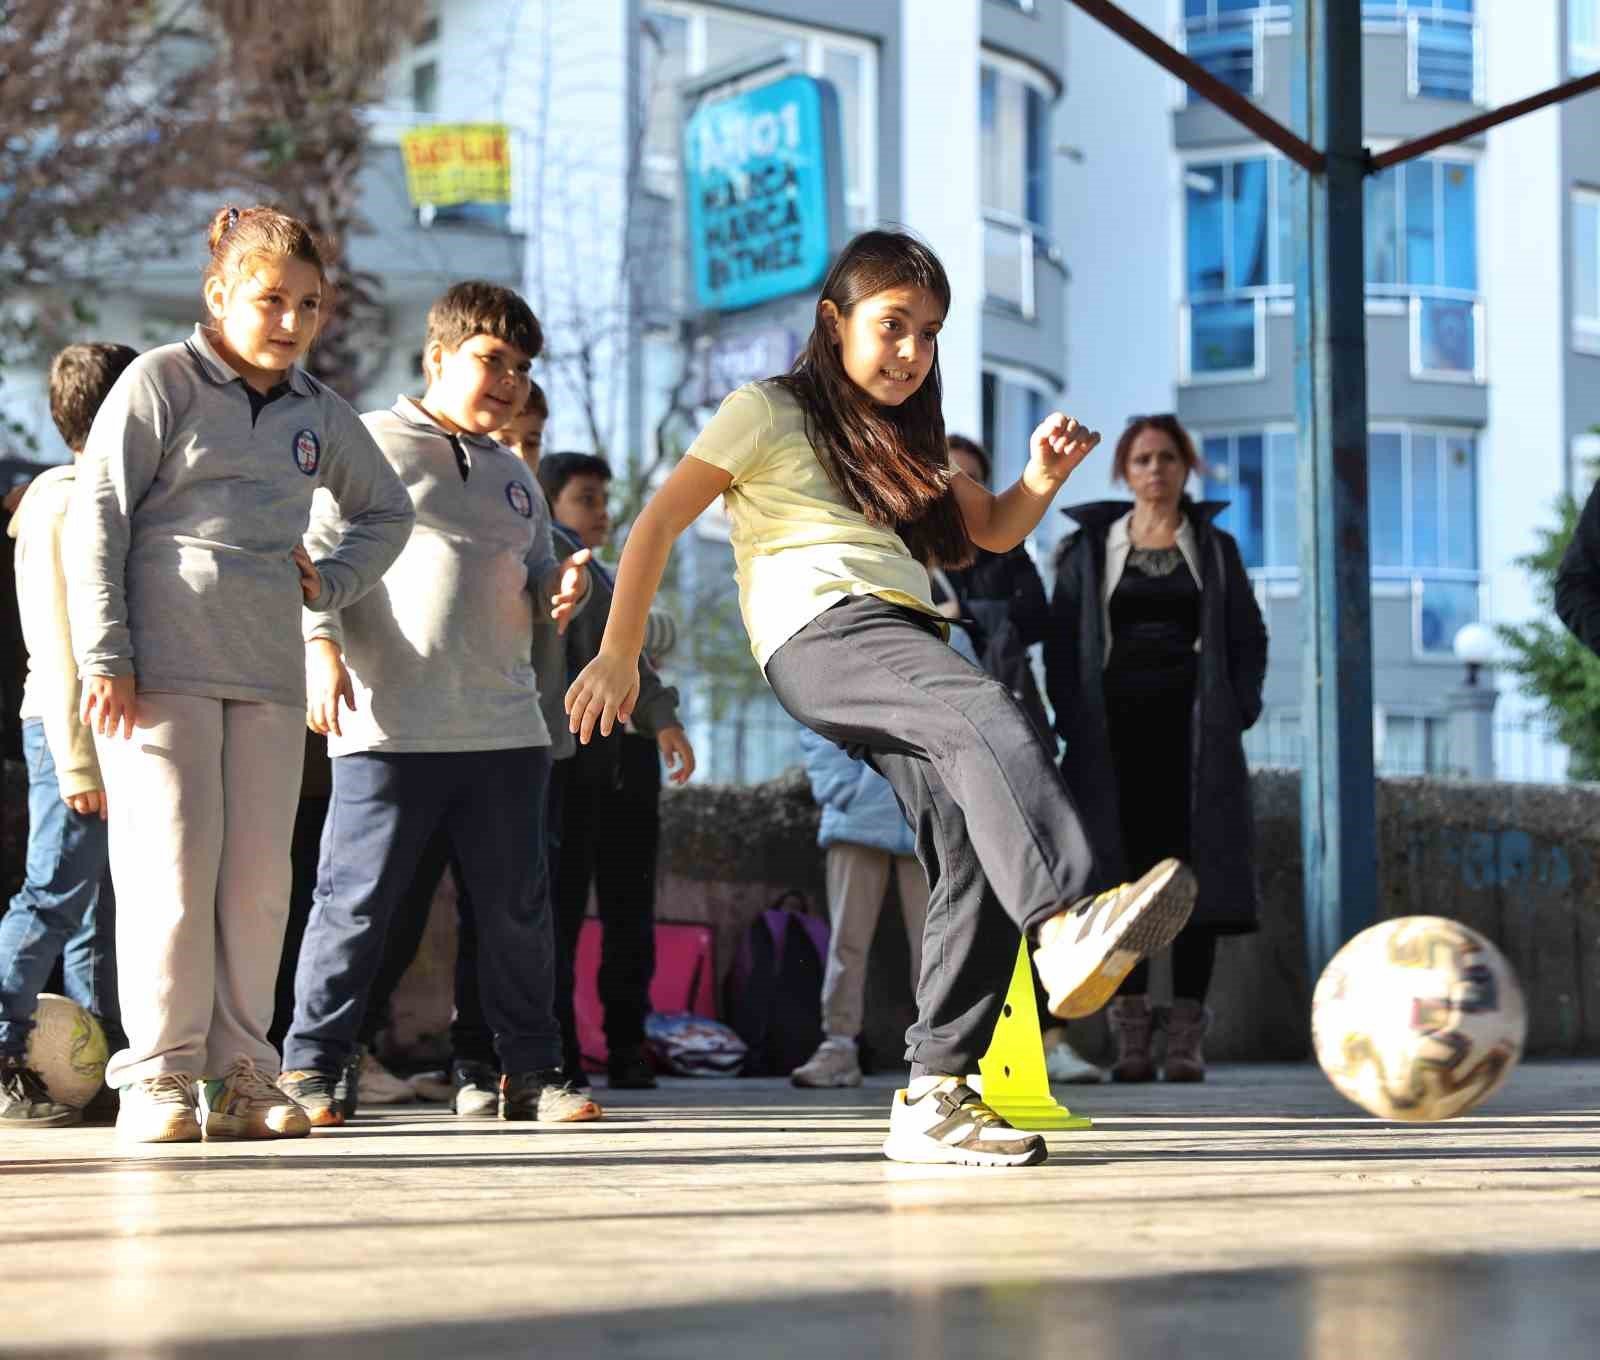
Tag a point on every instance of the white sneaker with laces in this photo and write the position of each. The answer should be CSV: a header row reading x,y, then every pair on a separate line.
x,y
245,1103
380,1086
1087,949
159,1110
950,1124
834,1064
1064,1065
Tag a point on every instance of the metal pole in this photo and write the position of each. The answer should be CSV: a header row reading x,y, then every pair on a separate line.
x,y
1338,793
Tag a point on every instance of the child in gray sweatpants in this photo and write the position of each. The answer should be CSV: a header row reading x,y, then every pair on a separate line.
x,y
185,583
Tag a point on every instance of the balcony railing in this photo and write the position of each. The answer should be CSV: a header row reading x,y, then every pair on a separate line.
x,y
1446,330
1444,50
1232,47
1011,248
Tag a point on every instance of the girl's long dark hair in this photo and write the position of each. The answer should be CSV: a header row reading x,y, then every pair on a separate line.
x,y
890,462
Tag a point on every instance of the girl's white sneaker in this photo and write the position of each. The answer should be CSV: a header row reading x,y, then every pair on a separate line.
x,y
950,1124
1087,949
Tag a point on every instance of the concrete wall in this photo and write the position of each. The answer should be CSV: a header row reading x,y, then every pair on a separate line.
x,y
1521,863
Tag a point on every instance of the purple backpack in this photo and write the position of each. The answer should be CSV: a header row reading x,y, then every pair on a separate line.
x,y
773,996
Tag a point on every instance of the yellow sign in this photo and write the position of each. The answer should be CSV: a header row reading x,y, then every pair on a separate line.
x,y
450,163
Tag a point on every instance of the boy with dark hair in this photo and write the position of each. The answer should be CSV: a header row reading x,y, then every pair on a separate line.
x,y
64,909
613,782
440,724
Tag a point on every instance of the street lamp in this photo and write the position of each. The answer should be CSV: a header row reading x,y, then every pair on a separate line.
x,y
1476,646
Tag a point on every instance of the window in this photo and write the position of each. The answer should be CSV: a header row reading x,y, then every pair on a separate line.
x,y
1237,257
1255,473
687,40
1586,269
1584,468
425,87
1422,248
1225,37
1014,402
1583,30
1442,49
1014,165
1410,743
1423,506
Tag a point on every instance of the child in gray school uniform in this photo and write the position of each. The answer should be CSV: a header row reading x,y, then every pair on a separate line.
x,y
429,694
185,580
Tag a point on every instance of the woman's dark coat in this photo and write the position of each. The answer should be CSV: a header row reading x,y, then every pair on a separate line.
x,y
1233,666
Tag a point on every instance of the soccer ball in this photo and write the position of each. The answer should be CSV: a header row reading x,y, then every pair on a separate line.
x,y
67,1048
1419,1018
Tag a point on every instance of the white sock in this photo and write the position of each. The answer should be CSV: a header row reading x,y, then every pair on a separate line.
x,y
920,1086
847,1041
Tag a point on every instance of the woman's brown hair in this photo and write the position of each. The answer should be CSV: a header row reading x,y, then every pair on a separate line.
x,y
890,462
241,238
1167,425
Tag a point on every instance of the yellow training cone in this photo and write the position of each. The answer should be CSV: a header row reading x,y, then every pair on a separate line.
x,y
1013,1081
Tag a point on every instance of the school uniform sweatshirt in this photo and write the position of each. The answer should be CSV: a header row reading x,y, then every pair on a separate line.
x,y
441,652
191,494
51,691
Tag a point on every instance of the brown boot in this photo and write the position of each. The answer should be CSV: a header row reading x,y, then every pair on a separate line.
x,y
1186,1026
1133,1022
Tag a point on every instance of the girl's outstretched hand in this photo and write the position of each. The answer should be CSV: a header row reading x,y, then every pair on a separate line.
x,y
1058,446
571,580
603,695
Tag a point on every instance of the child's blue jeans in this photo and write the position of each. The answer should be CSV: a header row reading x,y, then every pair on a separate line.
x,y
64,910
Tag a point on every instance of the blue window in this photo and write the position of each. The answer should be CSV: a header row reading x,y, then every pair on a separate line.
x,y
1583,31
1422,242
1237,251
1423,502
1586,268
1220,35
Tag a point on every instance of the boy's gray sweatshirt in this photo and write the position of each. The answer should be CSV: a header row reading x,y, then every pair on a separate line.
x,y
441,652
187,505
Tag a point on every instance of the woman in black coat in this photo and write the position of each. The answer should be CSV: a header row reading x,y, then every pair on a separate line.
x,y
1154,664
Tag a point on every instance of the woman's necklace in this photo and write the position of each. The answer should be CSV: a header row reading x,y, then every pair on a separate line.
x,y
1156,535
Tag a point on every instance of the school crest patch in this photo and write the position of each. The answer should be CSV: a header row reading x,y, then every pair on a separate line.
x,y
307,452
521,502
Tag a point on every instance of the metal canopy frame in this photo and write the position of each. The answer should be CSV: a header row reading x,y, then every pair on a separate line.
x,y
1338,782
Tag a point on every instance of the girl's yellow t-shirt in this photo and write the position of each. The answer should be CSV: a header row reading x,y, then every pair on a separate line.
x,y
798,545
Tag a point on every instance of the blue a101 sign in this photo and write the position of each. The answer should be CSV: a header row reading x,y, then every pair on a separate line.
x,y
762,171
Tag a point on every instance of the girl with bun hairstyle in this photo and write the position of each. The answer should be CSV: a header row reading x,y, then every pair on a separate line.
x,y
186,579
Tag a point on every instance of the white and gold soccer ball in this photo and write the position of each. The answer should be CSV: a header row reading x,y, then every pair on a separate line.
x,y
1418,1018
67,1048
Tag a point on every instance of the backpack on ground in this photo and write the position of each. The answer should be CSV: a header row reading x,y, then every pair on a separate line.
x,y
773,998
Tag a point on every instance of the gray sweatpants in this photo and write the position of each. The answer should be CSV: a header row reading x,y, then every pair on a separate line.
x,y
858,877
202,803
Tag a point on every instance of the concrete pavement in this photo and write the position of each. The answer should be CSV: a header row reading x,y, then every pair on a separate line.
x,y
1258,1215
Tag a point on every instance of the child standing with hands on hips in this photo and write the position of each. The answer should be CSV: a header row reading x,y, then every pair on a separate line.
x,y
838,482
186,578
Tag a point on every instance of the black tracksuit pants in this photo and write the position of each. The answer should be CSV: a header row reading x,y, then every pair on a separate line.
x,y
996,830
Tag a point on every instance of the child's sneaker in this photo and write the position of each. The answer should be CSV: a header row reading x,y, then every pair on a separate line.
x,y
1085,951
950,1124
380,1086
477,1090
834,1064
314,1092
545,1096
246,1104
24,1101
159,1110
